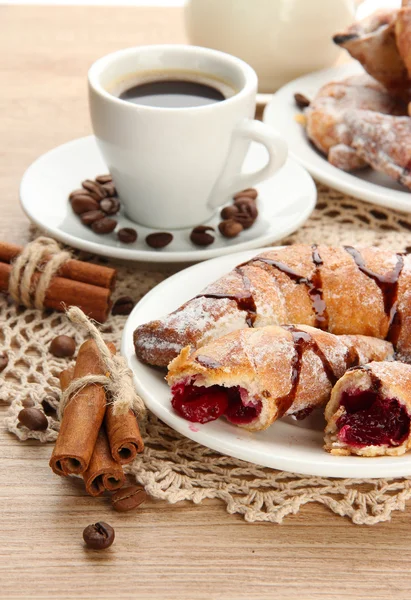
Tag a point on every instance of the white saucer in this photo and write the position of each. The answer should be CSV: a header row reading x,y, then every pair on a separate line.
x,y
366,184
285,202
290,445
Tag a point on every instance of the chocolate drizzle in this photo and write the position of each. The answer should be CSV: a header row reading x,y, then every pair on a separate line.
x,y
388,285
244,301
314,284
302,341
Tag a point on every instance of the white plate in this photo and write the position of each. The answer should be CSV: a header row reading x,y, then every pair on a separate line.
x,y
285,202
366,184
290,445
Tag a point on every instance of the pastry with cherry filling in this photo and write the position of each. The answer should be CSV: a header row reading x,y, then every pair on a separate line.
x,y
254,376
342,290
369,412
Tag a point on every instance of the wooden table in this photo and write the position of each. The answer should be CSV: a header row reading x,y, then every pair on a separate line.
x,y
162,551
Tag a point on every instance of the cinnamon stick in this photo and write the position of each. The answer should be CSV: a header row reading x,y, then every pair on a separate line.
x,y
93,300
82,416
123,435
73,269
103,472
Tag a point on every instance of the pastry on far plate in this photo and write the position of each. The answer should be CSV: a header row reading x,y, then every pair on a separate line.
x,y
325,124
383,141
369,412
373,42
254,376
343,290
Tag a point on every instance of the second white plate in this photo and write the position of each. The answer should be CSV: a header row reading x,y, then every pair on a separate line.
x,y
290,445
366,184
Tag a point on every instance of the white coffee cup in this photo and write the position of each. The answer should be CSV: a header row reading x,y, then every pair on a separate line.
x,y
173,167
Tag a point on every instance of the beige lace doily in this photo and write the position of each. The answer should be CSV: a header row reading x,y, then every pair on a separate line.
x,y
172,467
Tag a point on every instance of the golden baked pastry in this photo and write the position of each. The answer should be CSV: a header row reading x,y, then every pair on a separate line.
x,y
373,42
369,411
342,290
325,116
383,141
254,376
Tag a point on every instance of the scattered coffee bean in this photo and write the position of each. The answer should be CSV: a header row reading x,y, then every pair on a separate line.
x,y
4,361
250,192
128,498
159,239
127,235
88,218
63,346
123,306
200,237
229,212
79,192
110,188
230,228
28,403
247,214
104,178
301,100
96,190
110,206
99,536
105,225
83,203
245,201
33,419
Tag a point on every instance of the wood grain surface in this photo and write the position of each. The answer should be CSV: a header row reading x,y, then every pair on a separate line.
x,y
184,551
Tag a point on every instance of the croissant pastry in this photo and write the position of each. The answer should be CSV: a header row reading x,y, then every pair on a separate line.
x,y
341,290
370,410
325,122
383,141
255,376
374,42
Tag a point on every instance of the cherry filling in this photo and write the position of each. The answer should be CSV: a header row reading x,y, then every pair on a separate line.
x,y
370,420
200,404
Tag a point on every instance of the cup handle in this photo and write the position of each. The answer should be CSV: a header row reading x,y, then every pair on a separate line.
x,y
256,131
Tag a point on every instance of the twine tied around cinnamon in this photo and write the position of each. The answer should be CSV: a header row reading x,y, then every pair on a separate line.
x,y
118,382
32,259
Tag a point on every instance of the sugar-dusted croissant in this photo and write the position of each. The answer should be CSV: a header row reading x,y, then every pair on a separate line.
x,y
383,141
255,376
338,289
370,410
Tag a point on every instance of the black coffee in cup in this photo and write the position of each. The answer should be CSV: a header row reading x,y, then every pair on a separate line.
x,y
175,89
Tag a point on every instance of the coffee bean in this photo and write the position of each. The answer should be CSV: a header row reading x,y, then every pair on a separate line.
x,y
229,212
99,536
92,216
104,178
301,100
4,361
105,225
110,188
83,203
128,498
247,213
96,190
245,201
127,235
230,228
79,192
250,192
123,306
200,237
33,419
63,346
28,403
110,206
159,239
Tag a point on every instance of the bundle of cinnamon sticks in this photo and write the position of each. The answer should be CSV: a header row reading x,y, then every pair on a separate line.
x,y
77,283
93,442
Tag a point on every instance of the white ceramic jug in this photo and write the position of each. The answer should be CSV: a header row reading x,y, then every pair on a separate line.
x,y
280,39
